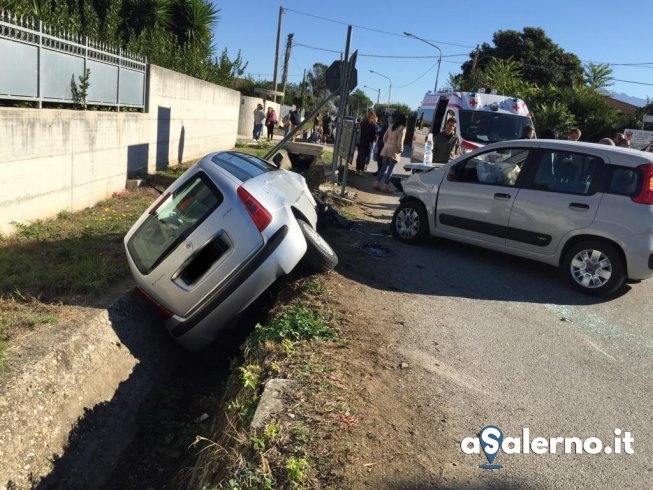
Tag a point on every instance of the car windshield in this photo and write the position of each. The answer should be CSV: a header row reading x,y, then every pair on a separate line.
x,y
173,219
241,165
489,127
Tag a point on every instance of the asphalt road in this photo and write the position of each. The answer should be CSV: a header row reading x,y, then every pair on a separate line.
x,y
502,342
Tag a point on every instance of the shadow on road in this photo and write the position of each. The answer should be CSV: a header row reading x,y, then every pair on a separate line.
x,y
446,268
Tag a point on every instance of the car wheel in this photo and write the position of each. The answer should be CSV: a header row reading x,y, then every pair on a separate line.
x,y
409,222
594,267
319,256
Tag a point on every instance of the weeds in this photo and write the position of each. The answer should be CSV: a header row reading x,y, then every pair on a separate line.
x,y
297,323
286,452
296,468
250,375
312,288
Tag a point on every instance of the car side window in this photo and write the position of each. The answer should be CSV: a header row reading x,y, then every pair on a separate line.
x,y
500,167
570,173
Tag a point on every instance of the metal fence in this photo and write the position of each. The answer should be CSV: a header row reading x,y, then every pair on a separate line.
x,y
39,63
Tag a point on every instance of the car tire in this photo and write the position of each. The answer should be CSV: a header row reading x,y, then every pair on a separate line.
x,y
319,257
410,222
594,267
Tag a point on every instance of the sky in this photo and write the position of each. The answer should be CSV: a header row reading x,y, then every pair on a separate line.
x,y
401,69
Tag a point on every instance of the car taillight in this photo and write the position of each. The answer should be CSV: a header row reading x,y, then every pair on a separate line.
x,y
257,212
160,309
466,147
645,196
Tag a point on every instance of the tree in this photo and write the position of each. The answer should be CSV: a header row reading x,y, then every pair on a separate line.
x,y
542,61
193,22
506,77
358,103
226,70
549,111
593,115
598,76
316,78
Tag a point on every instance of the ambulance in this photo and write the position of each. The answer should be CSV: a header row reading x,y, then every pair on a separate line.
x,y
482,117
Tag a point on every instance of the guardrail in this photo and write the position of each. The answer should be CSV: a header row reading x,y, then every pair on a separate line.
x,y
40,64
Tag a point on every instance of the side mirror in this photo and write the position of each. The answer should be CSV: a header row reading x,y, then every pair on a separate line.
x,y
277,159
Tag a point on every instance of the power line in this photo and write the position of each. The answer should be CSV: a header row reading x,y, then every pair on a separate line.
x,y
632,81
396,34
364,55
371,29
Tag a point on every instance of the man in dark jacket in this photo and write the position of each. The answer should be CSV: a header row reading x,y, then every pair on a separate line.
x,y
446,144
367,135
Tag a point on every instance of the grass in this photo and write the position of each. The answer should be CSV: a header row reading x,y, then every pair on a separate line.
x,y
305,446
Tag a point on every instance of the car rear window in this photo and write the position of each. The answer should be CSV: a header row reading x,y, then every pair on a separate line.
x,y
241,165
566,172
624,181
172,220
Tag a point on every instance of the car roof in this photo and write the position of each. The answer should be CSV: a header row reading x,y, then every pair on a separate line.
x,y
625,156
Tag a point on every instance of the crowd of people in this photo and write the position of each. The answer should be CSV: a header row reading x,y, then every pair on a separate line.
x,y
575,134
381,139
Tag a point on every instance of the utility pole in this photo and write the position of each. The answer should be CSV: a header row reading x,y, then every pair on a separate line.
x,y
472,75
475,59
276,53
284,76
301,96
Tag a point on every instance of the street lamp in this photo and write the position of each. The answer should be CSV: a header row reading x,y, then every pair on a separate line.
x,y
437,75
378,93
389,91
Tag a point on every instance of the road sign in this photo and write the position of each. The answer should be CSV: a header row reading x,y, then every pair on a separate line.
x,y
334,74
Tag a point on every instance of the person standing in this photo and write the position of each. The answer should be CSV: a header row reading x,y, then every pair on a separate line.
x,y
528,132
446,144
574,134
271,122
383,127
295,120
259,118
367,134
621,140
393,146
326,128
549,134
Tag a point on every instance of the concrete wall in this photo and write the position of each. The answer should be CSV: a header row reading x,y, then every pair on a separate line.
x,y
51,159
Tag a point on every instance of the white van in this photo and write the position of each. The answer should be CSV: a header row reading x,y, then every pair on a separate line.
x,y
482,118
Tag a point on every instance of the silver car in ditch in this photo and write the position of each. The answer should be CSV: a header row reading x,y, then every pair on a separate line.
x,y
218,238
583,207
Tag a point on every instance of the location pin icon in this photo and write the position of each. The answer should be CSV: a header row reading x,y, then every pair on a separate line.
x,y
491,438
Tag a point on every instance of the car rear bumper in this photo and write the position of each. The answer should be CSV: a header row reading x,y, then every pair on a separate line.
x,y
639,257
278,257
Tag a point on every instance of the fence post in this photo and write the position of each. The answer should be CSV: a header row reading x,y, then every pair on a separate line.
x,y
39,91
118,87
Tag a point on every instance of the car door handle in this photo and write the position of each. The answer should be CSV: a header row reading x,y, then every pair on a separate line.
x,y
579,205
502,196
